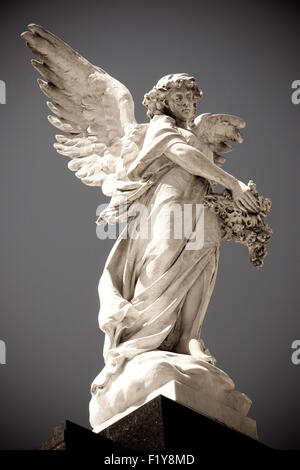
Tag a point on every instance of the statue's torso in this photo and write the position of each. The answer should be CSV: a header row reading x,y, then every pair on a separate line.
x,y
181,184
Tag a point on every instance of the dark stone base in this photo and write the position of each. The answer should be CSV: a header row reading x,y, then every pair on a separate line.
x,y
71,436
163,424
159,425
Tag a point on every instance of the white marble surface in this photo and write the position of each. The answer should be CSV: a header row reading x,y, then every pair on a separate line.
x,y
183,378
200,402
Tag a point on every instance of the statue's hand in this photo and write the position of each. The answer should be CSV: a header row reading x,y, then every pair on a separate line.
x,y
243,197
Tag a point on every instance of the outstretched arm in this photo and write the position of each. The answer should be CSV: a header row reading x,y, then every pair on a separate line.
x,y
195,162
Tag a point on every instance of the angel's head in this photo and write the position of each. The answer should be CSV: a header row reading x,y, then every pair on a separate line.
x,y
175,95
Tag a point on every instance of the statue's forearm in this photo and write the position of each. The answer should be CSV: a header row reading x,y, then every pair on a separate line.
x,y
195,162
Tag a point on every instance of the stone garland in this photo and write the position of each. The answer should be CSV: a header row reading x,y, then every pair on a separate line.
x,y
246,228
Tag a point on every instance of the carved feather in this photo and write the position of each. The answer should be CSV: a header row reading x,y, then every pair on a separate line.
x,y
94,109
216,129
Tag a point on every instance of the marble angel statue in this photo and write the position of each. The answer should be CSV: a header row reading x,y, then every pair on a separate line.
x,y
154,291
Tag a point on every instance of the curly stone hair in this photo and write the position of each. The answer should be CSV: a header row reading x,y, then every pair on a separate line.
x,y
154,100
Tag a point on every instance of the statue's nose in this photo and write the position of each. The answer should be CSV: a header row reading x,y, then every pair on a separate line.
x,y
186,102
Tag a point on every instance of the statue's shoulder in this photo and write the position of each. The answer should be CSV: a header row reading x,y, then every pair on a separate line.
x,y
161,125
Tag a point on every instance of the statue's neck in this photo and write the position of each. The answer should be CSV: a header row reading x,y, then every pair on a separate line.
x,y
182,124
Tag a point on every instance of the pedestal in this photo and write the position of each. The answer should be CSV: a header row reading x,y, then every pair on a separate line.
x,y
160,425
232,413
163,424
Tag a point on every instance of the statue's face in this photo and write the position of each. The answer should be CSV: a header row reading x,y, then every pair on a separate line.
x,y
182,103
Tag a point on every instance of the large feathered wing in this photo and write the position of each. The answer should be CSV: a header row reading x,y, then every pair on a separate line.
x,y
93,109
216,130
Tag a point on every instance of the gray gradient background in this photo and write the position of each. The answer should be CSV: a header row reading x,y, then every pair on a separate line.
x,y
245,57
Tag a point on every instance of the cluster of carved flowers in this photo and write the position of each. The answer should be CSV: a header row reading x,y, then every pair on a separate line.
x,y
244,227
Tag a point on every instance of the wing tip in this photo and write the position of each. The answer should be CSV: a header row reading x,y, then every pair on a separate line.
x,y
53,120
50,105
34,27
42,83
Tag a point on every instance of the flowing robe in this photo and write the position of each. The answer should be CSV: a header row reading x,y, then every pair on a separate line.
x,y
149,282
155,289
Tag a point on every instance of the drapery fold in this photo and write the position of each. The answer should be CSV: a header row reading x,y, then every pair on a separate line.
x,y
145,285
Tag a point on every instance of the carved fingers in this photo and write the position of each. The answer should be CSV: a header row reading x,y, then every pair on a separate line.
x,y
244,198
